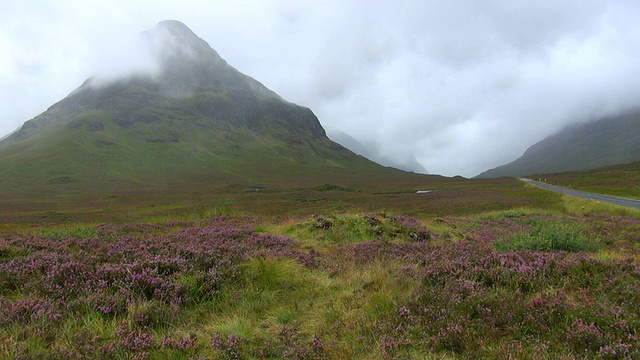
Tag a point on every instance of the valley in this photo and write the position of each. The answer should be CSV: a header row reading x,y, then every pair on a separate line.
x,y
194,214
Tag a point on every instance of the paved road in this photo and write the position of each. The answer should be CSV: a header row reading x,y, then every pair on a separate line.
x,y
585,195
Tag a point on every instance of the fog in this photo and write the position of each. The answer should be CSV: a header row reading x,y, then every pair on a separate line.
x,y
463,85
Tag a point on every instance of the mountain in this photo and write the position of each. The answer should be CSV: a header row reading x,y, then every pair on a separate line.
x,y
188,117
370,150
608,141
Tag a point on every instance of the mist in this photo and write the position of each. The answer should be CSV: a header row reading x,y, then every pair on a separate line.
x,y
464,86
134,58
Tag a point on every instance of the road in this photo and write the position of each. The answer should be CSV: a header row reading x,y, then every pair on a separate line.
x,y
585,195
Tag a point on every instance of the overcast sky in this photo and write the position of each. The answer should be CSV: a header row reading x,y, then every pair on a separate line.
x,y
465,85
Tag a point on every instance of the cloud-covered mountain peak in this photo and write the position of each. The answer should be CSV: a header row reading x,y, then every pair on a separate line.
x,y
177,28
181,63
171,39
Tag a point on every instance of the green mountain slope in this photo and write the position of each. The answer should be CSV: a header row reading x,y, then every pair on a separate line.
x,y
194,120
605,142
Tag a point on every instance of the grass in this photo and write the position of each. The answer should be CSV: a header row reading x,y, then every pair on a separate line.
x,y
74,230
354,228
582,206
549,236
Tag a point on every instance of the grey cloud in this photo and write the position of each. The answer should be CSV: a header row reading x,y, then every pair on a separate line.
x,y
135,57
471,85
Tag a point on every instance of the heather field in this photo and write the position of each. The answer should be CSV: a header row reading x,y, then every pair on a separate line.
x,y
450,274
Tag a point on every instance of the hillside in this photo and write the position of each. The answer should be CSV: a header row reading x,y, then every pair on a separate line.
x,y
193,120
605,142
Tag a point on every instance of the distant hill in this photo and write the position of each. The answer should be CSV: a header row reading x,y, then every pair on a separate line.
x,y
196,118
609,141
371,151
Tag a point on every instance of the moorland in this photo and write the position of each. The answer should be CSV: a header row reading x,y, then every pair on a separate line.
x,y
367,268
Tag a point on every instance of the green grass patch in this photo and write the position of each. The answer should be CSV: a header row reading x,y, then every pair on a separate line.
x,y
72,230
333,187
584,206
513,213
354,228
548,235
